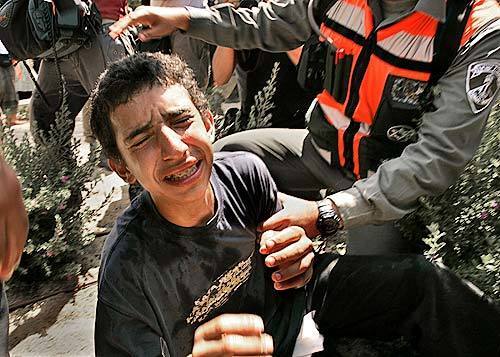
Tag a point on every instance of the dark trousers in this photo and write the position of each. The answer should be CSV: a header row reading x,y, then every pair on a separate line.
x,y
383,297
4,322
80,70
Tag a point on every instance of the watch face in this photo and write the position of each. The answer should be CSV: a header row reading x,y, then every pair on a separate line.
x,y
328,220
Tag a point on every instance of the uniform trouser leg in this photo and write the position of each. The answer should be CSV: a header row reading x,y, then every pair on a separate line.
x,y
80,70
299,170
290,157
9,100
44,115
405,295
4,323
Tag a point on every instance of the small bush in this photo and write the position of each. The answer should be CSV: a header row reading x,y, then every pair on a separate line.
x,y
54,186
259,117
462,227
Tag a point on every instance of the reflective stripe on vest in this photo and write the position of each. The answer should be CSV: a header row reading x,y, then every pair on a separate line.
x,y
386,87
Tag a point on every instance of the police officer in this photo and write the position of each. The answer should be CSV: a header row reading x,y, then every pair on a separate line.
x,y
80,65
396,120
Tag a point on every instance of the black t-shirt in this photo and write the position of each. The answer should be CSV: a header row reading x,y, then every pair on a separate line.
x,y
158,281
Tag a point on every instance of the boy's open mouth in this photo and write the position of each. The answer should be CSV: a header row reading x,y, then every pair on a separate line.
x,y
179,176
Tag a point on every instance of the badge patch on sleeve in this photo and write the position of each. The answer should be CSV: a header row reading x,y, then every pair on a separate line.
x,y
483,80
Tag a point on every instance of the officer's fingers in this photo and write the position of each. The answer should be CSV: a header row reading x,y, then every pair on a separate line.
x,y
266,237
148,34
277,221
290,253
284,198
241,324
290,271
276,241
295,283
138,17
235,345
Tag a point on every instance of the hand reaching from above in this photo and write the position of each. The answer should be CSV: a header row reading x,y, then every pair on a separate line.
x,y
157,21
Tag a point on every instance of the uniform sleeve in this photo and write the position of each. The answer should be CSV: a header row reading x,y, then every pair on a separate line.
x,y
448,139
121,334
275,25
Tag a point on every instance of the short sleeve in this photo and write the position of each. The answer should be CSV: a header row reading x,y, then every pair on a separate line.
x,y
120,334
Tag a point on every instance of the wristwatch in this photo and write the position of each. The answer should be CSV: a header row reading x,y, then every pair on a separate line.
x,y
328,222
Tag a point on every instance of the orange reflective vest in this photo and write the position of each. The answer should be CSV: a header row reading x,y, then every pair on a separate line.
x,y
377,87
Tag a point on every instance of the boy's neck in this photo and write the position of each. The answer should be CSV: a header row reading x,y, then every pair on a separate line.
x,y
189,214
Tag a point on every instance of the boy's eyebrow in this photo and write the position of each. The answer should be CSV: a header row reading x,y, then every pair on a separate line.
x,y
167,114
174,112
139,130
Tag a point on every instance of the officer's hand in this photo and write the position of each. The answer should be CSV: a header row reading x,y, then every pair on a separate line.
x,y
290,252
13,221
295,212
158,21
232,335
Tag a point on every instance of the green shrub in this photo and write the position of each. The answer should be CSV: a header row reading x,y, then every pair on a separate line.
x,y
55,184
259,117
462,227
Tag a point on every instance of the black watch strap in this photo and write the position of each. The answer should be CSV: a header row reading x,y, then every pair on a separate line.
x,y
329,221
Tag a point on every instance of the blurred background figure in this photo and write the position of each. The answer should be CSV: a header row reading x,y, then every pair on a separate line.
x,y
8,95
196,53
79,68
254,68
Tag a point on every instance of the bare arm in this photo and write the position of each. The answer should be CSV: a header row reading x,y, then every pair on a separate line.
x,y
223,64
13,221
294,55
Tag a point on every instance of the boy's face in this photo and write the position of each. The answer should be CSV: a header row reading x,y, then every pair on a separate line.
x,y
165,145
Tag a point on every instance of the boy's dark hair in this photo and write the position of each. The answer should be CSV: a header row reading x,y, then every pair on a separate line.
x,y
130,76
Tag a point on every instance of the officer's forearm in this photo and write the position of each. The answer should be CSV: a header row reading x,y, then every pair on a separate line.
x,y
276,25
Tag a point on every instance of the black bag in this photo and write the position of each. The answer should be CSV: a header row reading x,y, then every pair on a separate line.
x,y
17,28
30,29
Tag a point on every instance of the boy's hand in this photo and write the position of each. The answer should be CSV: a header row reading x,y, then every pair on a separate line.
x,y
232,335
290,251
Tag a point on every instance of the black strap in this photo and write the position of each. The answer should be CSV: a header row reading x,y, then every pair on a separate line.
x,y
32,76
449,34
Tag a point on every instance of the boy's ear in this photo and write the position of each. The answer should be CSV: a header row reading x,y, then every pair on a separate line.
x,y
208,120
121,169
